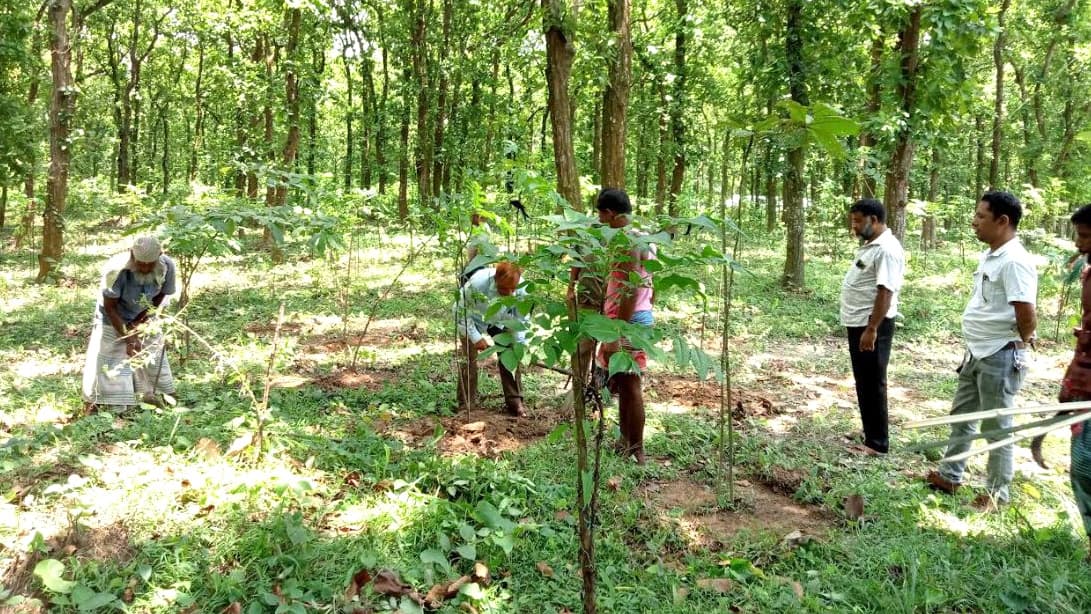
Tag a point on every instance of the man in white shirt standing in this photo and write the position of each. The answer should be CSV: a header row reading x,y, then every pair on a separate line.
x,y
998,326
869,304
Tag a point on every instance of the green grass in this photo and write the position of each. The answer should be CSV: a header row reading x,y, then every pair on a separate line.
x,y
155,522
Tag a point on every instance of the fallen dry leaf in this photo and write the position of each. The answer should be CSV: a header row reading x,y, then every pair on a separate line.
x,y
352,479
383,485
208,448
386,582
720,585
454,587
795,539
241,443
436,595
614,483
481,573
468,607
854,507
473,427
680,594
233,608
127,595
544,567
797,588
562,516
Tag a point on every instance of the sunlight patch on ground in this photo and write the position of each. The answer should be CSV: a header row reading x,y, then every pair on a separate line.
x,y
950,279
391,512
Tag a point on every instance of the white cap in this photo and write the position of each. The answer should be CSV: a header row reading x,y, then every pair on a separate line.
x,y
146,249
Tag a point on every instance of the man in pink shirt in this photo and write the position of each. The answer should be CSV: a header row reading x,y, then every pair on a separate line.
x,y
632,302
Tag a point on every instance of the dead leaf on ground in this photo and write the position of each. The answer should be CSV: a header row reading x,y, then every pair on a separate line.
x,y
436,595
241,443
473,427
562,516
388,583
454,587
614,483
720,585
544,567
467,607
352,479
797,588
208,448
795,539
680,594
127,595
854,507
481,573
233,608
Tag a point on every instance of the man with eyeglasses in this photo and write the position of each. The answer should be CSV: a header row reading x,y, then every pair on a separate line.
x,y
998,326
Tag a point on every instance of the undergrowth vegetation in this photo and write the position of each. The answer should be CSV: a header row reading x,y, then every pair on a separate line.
x,y
371,491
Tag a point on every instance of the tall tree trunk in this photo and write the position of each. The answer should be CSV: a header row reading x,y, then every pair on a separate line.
x,y
380,114
615,99
423,155
61,106
793,277
560,52
369,106
439,160
198,111
874,104
291,103
979,162
928,227
725,176
663,150
678,107
403,159
896,195
998,108
1031,150
350,139
164,163
642,159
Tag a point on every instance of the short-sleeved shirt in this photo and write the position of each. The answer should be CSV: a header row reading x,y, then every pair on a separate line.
x,y
474,300
619,279
118,282
1004,276
881,262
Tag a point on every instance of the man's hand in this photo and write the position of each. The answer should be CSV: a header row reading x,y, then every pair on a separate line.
x,y
867,340
132,346
481,345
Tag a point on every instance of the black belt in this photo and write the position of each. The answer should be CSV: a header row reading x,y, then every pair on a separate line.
x,y
1016,345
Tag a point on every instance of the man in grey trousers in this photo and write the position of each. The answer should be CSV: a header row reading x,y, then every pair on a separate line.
x,y
998,326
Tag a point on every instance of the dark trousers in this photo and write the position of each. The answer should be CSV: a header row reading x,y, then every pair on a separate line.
x,y
869,370
511,383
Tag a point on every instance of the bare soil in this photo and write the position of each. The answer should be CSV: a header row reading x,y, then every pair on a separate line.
x,y
692,393
485,432
760,508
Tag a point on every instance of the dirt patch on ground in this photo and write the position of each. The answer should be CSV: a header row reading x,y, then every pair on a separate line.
x,y
110,543
782,481
760,509
484,432
693,393
371,379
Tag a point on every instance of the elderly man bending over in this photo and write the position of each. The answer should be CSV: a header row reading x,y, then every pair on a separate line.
x,y
123,358
476,321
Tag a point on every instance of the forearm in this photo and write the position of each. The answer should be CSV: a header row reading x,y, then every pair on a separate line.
x,y
1026,320
880,309
626,305
114,317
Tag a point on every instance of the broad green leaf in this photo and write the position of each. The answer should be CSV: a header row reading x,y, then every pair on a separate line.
x,y
467,552
506,541
472,591
490,516
50,572
622,362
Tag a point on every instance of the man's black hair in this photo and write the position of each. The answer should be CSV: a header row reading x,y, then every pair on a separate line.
x,y
1004,203
868,207
1082,215
615,200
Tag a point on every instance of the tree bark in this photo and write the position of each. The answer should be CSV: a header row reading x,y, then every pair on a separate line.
x,y
439,154
291,104
678,107
998,107
615,99
793,277
350,138
423,155
896,195
874,104
61,106
403,159
560,53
